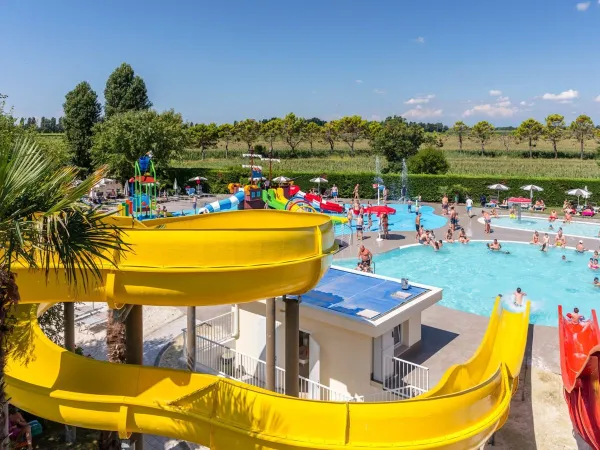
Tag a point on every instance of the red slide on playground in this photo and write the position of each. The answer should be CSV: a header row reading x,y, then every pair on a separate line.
x,y
580,366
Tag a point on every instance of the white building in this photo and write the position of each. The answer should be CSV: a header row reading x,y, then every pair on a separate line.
x,y
353,326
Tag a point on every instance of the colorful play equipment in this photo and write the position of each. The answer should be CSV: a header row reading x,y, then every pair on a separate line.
x,y
275,199
316,201
580,368
143,186
269,253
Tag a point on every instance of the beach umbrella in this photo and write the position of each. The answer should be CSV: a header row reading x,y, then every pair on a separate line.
x,y
198,179
319,180
580,193
531,188
281,180
498,187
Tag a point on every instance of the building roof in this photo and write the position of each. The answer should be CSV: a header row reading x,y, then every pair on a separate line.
x,y
359,295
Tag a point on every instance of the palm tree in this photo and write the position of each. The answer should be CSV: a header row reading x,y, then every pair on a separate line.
x,y
44,226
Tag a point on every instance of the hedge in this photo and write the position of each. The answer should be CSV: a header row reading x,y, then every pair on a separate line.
x,y
428,186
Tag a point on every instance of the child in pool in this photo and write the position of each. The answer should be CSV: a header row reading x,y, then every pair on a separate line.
x,y
593,264
519,295
512,213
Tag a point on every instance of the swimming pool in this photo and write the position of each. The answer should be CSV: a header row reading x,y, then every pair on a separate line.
x,y
403,220
472,276
578,229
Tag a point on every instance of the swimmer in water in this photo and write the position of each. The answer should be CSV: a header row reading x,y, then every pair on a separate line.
x,y
496,247
550,227
596,282
564,258
580,248
519,294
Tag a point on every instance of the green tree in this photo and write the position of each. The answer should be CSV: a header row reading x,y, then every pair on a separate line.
x,y
530,131
482,133
271,130
44,227
554,131
82,112
125,91
428,160
120,140
312,132
373,129
351,129
247,131
292,130
398,140
582,129
227,133
433,139
8,128
204,136
329,135
461,131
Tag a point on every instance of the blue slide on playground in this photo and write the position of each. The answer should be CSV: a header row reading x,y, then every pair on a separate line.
x,y
222,205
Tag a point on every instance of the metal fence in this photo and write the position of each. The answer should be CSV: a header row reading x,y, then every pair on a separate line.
x,y
217,358
406,378
218,329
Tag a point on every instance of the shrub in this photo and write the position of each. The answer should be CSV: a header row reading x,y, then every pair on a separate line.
x,y
430,161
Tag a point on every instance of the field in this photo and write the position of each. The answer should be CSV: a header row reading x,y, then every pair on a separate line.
x,y
497,161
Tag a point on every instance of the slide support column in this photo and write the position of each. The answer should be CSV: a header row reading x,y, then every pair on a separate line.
x,y
292,346
134,338
271,345
69,335
191,338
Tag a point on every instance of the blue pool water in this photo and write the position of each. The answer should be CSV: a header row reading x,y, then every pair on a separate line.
x,y
403,220
472,276
580,229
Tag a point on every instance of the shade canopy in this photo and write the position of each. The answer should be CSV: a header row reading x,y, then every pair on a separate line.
x,y
198,179
319,180
532,187
498,187
281,179
580,192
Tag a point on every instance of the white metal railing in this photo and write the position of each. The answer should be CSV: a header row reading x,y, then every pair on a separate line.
x,y
404,377
390,395
220,359
344,235
218,329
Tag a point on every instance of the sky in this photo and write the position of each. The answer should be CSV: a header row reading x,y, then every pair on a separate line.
x,y
220,61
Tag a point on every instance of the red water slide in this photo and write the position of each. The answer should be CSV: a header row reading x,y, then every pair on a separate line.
x,y
580,366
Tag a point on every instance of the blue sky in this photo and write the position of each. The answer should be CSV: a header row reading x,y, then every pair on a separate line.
x,y
226,60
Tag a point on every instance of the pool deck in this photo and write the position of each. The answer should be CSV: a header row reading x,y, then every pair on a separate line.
x,y
451,336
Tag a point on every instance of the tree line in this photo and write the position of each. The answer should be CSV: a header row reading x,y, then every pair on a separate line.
x,y
46,125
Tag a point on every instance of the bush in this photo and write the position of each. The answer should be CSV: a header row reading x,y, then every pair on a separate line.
x,y
430,161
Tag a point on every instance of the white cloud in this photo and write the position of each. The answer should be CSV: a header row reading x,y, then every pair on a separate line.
x,y
495,93
524,103
504,104
379,91
566,95
503,99
422,113
583,6
359,81
597,99
420,40
419,100
491,110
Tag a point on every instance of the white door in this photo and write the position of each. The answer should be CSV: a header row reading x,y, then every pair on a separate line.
x,y
314,360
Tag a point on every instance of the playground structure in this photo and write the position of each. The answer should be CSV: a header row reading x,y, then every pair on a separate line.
x,y
143,186
580,368
268,253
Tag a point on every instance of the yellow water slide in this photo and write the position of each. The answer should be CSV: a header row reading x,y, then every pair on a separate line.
x,y
210,265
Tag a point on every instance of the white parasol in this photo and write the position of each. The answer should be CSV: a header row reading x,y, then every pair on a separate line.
x,y
319,180
531,188
498,187
580,193
281,179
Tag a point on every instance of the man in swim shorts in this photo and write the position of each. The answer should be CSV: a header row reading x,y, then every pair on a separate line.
x,y
365,256
495,246
519,294
580,248
359,227
469,204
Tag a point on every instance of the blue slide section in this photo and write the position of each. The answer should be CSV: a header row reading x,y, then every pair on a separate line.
x,y
223,205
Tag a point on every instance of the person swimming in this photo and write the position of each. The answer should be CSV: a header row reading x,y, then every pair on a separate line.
x,y
518,295
596,282
496,247
564,258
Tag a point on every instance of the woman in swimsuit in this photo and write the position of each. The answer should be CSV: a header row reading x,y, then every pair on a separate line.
x,y
567,217
536,238
462,237
450,236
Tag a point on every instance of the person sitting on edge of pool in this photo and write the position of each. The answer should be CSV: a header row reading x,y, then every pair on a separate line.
x,y
536,238
450,236
519,294
545,243
596,282
596,254
560,240
462,237
580,248
567,217
553,216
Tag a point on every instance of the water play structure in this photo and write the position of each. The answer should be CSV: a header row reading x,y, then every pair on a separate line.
x,y
269,253
143,186
580,368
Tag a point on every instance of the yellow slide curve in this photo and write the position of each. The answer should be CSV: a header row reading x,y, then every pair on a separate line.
x,y
175,266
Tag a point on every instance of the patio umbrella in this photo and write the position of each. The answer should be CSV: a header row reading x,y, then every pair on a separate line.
x,y
198,179
319,180
281,180
531,188
498,187
579,193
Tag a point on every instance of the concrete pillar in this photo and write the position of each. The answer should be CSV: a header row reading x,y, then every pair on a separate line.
x,y
292,346
271,363
191,338
134,338
69,335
